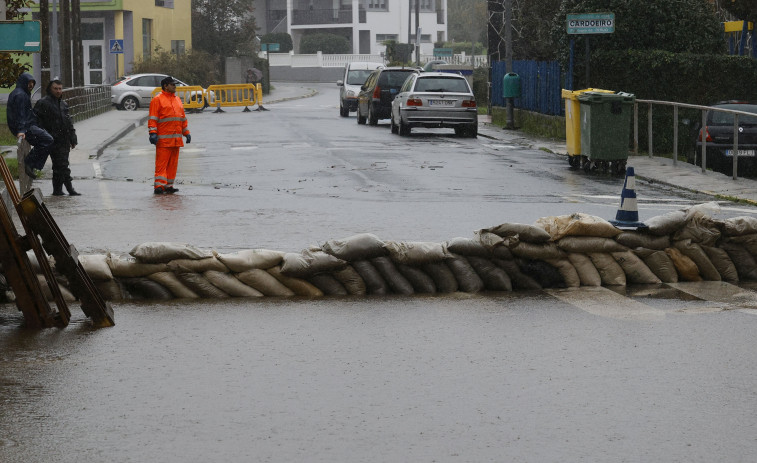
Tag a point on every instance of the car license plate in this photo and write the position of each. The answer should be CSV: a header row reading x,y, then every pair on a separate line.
x,y
441,103
742,153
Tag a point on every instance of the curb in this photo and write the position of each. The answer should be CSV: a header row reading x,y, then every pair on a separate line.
x,y
99,149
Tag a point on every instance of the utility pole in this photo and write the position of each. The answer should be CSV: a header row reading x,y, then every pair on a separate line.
x,y
44,52
509,57
78,63
417,32
65,44
54,49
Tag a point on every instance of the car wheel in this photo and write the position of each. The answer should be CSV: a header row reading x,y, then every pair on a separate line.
x,y
343,111
372,116
394,127
472,131
404,129
130,103
360,119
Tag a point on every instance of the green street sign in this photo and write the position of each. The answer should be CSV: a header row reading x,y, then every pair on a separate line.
x,y
20,36
439,52
591,23
270,46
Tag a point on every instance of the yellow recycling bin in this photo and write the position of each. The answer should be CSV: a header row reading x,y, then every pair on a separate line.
x,y
573,118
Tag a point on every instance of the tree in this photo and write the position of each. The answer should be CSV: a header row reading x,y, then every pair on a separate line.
x,y
741,9
222,27
532,21
467,20
10,64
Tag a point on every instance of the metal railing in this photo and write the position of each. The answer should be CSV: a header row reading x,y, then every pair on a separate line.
x,y
702,130
86,102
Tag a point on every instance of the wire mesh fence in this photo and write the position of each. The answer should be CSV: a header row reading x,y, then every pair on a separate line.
x,y
89,101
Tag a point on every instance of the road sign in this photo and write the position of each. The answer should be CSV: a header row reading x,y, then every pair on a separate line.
x,y
116,46
591,23
20,36
270,46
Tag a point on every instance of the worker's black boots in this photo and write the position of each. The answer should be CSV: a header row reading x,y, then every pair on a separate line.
x,y
58,188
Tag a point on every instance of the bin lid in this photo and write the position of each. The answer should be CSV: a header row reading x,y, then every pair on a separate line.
x,y
600,97
573,94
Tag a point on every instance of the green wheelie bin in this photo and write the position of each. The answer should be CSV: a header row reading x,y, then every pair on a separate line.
x,y
606,130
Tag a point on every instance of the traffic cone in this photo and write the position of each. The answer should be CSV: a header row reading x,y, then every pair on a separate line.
x,y
628,214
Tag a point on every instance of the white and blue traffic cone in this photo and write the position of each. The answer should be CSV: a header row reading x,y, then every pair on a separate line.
x,y
628,214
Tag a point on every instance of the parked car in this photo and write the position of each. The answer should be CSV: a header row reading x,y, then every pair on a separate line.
x,y
435,99
430,65
374,101
719,136
135,91
355,75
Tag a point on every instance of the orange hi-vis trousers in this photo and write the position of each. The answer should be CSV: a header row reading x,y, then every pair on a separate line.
x,y
166,163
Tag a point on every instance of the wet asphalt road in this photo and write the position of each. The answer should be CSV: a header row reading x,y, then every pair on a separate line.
x,y
647,374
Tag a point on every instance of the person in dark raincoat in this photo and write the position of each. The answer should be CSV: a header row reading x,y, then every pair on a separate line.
x,y
23,124
52,113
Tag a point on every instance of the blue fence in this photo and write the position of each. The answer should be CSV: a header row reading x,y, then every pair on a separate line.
x,y
541,86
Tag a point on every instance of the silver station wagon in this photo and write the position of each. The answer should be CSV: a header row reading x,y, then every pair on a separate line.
x,y
435,99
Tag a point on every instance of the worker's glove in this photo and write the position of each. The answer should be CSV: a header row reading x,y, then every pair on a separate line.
x,y
189,138
153,138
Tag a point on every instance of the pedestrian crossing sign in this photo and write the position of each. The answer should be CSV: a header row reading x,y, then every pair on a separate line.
x,y
117,46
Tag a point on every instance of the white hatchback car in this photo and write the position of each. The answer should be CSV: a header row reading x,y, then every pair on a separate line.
x,y
135,91
355,74
435,99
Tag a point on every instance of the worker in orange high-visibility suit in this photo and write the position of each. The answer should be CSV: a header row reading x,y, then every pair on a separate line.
x,y
167,124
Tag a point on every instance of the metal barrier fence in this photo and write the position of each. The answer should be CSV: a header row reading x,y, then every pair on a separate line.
x,y
86,102
541,86
705,110
235,94
193,96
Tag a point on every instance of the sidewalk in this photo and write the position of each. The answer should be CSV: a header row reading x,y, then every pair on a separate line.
x,y
95,134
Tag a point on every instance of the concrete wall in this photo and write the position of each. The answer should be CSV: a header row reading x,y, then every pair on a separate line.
x,y
305,74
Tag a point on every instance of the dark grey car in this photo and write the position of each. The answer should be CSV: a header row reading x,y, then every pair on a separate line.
x,y
719,136
374,101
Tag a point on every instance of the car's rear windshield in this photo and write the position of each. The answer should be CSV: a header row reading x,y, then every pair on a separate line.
x,y
723,118
358,76
441,84
394,78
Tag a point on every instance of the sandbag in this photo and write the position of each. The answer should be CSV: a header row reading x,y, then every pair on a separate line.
x,y
199,284
362,246
264,282
545,275
110,290
415,252
637,239
567,271
540,251
699,229
587,272
577,224
351,280
610,272
659,263
635,269
309,262
492,242
422,282
173,284
467,247
298,286
467,279
374,283
130,268
694,252
328,284
396,281
198,265
666,224
737,226
249,259
230,284
744,262
444,279
687,269
749,242
145,288
519,280
64,292
584,244
156,252
723,263
494,278
96,266
528,233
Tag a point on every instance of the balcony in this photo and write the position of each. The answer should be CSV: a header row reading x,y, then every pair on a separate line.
x,y
302,17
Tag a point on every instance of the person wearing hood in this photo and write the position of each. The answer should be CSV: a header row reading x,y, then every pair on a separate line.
x,y
23,124
52,114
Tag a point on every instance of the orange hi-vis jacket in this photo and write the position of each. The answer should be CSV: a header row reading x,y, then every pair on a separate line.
x,y
167,119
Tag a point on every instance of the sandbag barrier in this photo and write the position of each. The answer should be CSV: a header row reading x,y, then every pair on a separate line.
x,y
555,252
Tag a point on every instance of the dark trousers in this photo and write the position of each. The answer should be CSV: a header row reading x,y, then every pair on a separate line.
x,y
59,155
41,142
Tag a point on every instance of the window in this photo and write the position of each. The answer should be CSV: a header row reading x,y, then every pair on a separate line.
x,y
381,38
92,31
177,47
441,84
164,3
377,5
426,5
146,38
425,38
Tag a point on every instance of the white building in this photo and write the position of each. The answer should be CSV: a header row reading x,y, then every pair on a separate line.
x,y
365,23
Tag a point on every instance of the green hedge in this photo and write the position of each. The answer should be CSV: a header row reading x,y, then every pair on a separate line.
x,y
324,42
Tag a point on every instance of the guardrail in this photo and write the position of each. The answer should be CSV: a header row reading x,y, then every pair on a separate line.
x,y
676,106
85,102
